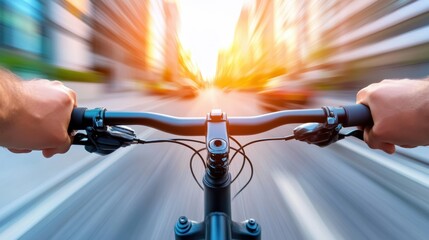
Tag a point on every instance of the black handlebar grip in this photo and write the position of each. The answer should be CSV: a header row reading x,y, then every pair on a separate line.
x,y
76,120
358,115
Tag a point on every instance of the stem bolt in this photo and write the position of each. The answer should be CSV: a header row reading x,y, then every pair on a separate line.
x,y
251,225
183,220
183,225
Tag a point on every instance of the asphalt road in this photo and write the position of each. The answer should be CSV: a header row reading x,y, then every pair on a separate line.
x,y
299,191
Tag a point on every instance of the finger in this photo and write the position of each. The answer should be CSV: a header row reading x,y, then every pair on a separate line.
x,y
38,80
375,143
75,102
49,152
14,150
361,96
388,148
408,146
56,82
72,94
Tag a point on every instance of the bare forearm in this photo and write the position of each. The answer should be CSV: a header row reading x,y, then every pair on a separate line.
x,y
9,96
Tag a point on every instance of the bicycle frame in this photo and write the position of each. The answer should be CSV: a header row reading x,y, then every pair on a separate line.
x,y
217,222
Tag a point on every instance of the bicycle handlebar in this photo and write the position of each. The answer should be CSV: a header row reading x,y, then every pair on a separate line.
x,y
352,115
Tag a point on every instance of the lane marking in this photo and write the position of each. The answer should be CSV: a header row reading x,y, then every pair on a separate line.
x,y
311,223
21,202
38,212
414,175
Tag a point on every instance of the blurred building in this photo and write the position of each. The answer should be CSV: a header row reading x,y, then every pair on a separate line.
x,y
234,63
23,29
330,42
69,34
22,26
171,14
261,24
251,59
375,40
357,42
120,39
137,40
35,34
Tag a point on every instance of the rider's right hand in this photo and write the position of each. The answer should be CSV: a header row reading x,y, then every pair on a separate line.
x,y
37,116
400,111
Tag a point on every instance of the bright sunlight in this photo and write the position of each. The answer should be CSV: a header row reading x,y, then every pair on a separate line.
x,y
207,26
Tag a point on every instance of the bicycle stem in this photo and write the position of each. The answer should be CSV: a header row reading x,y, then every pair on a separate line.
x,y
217,179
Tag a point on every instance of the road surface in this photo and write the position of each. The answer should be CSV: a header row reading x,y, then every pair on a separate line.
x,y
299,191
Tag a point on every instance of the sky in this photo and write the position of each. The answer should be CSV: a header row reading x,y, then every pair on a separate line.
x,y
206,26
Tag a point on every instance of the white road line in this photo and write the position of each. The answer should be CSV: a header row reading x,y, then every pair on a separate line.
x,y
37,213
402,169
31,196
309,220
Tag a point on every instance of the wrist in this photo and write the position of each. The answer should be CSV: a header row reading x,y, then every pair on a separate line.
x,y
10,101
423,111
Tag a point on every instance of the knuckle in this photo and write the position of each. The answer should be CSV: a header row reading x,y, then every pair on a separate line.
x,y
42,80
361,94
378,132
59,139
371,143
67,100
56,82
73,95
64,149
389,81
374,144
366,93
375,95
372,139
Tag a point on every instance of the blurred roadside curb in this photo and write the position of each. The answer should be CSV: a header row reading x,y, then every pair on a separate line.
x,y
420,154
400,174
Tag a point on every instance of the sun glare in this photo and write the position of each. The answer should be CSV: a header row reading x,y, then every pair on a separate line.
x,y
207,26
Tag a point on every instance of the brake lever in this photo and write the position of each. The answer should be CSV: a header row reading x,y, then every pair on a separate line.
x,y
320,135
352,133
80,139
317,133
105,140
323,134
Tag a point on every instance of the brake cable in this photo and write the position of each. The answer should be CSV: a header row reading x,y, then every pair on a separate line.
x,y
287,138
192,169
196,152
244,159
242,152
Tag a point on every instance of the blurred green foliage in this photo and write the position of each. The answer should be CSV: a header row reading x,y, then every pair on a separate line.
x,y
18,62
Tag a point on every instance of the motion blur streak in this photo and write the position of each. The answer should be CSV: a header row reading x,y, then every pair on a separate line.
x,y
186,57
304,212
40,211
